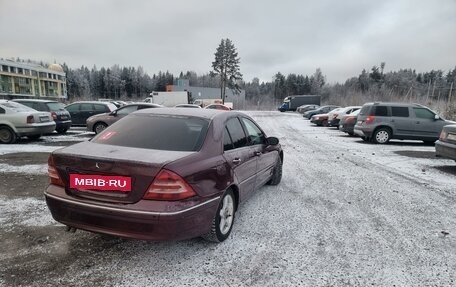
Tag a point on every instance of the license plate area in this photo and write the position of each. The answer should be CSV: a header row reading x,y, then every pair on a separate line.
x,y
44,119
451,137
102,183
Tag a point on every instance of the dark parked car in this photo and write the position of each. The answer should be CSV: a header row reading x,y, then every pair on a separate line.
x,y
163,174
99,122
380,122
446,145
320,110
81,111
61,117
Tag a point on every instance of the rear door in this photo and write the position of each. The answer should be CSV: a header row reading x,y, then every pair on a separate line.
x,y
75,113
403,121
240,156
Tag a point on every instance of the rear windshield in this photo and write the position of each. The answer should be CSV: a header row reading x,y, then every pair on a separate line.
x,y
364,110
160,132
55,106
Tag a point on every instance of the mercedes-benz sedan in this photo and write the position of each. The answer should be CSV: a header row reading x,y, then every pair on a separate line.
x,y
168,173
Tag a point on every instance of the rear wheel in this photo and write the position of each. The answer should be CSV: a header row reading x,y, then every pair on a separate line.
x,y
324,123
223,220
99,127
7,135
61,130
381,136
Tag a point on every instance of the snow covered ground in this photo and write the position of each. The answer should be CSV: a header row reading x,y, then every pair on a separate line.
x,y
347,213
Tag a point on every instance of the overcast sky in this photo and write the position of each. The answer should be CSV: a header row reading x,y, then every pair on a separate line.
x,y
340,37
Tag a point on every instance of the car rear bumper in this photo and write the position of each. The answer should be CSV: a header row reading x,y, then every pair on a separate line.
x,y
346,128
333,122
131,220
444,149
36,129
62,124
362,131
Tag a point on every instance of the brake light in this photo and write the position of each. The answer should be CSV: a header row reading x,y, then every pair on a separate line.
x,y
443,135
370,119
53,173
30,119
168,185
349,120
54,115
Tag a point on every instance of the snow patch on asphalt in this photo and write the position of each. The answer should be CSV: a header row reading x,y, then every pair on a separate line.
x,y
24,211
26,169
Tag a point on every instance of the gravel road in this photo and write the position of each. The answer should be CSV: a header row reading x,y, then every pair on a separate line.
x,y
347,213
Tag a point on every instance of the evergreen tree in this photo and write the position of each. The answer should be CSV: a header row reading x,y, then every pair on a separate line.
x,y
226,65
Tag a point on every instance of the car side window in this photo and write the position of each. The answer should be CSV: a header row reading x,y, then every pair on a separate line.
x,y
2,110
100,108
73,108
381,111
423,113
254,134
236,132
227,142
400,112
86,107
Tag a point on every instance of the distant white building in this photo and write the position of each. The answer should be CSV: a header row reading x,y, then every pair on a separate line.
x,y
29,80
238,100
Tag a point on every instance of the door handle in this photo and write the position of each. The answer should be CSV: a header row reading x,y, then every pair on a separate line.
x,y
257,153
237,161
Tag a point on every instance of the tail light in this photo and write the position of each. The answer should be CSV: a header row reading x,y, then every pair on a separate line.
x,y
370,119
53,173
349,120
168,185
30,119
54,115
443,135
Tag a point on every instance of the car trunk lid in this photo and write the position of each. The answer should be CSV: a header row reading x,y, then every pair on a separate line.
x,y
110,173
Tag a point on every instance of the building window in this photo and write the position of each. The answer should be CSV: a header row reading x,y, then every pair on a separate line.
x,y
20,70
4,68
12,69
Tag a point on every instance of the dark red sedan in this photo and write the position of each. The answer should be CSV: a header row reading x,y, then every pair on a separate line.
x,y
162,174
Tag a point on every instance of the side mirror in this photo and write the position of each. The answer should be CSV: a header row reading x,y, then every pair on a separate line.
x,y
272,141
113,113
436,117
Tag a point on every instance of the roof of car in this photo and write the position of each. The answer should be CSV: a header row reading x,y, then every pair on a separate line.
x,y
35,101
394,104
90,102
202,113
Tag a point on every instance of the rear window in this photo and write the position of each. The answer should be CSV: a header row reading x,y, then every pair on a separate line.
x,y
381,111
55,106
160,132
364,110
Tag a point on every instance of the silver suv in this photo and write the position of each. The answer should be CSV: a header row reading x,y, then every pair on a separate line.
x,y
380,122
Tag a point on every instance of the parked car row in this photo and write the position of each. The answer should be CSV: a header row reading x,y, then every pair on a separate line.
x,y
95,115
380,122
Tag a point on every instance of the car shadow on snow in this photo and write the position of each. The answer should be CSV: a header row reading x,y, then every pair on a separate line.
x,y
450,169
417,154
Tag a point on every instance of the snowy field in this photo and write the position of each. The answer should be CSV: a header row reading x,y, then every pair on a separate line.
x,y
347,213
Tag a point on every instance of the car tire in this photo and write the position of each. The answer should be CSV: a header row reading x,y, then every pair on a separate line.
x,y
381,136
34,137
7,135
222,224
351,134
366,139
99,127
61,131
276,173
324,123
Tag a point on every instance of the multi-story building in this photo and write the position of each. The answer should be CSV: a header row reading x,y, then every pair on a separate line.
x,y
29,80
